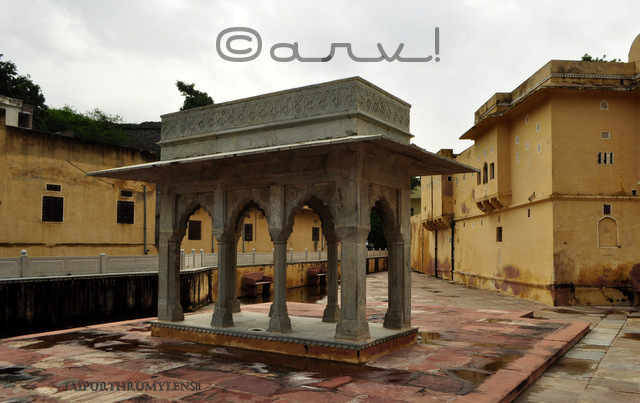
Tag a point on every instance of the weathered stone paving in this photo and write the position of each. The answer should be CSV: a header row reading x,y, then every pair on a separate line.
x,y
475,346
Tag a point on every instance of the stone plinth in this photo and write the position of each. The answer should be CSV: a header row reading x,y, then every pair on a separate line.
x,y
311,339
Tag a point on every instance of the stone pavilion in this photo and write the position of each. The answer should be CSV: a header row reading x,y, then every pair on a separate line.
x,y
341,148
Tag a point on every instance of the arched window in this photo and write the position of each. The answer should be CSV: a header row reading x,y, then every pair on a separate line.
x,y
607,233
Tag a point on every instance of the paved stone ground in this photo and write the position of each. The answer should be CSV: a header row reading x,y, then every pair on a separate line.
x,y
603,367
466,347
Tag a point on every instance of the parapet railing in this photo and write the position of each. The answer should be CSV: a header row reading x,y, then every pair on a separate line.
x,y
27,266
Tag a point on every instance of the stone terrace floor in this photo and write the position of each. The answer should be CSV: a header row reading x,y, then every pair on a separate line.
x,y
474,346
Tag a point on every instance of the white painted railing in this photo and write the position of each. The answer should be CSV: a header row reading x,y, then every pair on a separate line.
x,y
26,266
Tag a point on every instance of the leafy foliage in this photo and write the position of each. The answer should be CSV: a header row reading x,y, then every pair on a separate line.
x,y
21,87
376,238
588,58
193,98
94,125
415,183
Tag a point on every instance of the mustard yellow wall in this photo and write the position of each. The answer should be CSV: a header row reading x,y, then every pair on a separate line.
x,y
206,235
300,238
417,241
595,270
577,126
522,263
30,160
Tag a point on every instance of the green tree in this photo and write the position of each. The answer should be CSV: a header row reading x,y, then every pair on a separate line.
x,y
588,58
94,125
193,98
21,87
415,183
376,238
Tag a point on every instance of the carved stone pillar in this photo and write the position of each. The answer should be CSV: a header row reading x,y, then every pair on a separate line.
x,y
353,310
169,307
280,321
235,304
223,316
393,319
405,231
332,310
398,314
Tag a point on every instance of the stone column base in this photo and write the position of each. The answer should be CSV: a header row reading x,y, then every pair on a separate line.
x,y
352,330
331,314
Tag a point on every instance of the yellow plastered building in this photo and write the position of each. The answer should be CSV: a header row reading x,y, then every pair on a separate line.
x,y
307,233
50,207
553,214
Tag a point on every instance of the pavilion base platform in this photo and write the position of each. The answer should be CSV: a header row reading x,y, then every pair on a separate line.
x,y
310,338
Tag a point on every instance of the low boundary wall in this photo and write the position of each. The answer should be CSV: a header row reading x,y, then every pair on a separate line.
x,y
38,304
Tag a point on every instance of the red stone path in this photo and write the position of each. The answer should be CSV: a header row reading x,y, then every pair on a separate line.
x,y
465,355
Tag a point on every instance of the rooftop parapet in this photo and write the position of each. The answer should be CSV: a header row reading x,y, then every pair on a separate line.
x,y
564,74
350,106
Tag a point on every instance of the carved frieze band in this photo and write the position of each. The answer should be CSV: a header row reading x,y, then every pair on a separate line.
x,y
347,96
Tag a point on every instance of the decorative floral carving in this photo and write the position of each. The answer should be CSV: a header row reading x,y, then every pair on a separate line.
x,y
345,96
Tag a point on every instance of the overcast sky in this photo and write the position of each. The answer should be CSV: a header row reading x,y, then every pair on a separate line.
x,y
124,57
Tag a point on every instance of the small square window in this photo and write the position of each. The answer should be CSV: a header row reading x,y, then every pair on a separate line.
x,y
498,234
605,135
126,193
526,145
491,149
538,127
195,230
517,157
53,188
606,209
125,212
517,139
604,106
539,147
449,178
52,209
526,119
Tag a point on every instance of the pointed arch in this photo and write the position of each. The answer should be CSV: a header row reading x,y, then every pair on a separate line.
x,y
384,201
239,203
186,206
322,209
